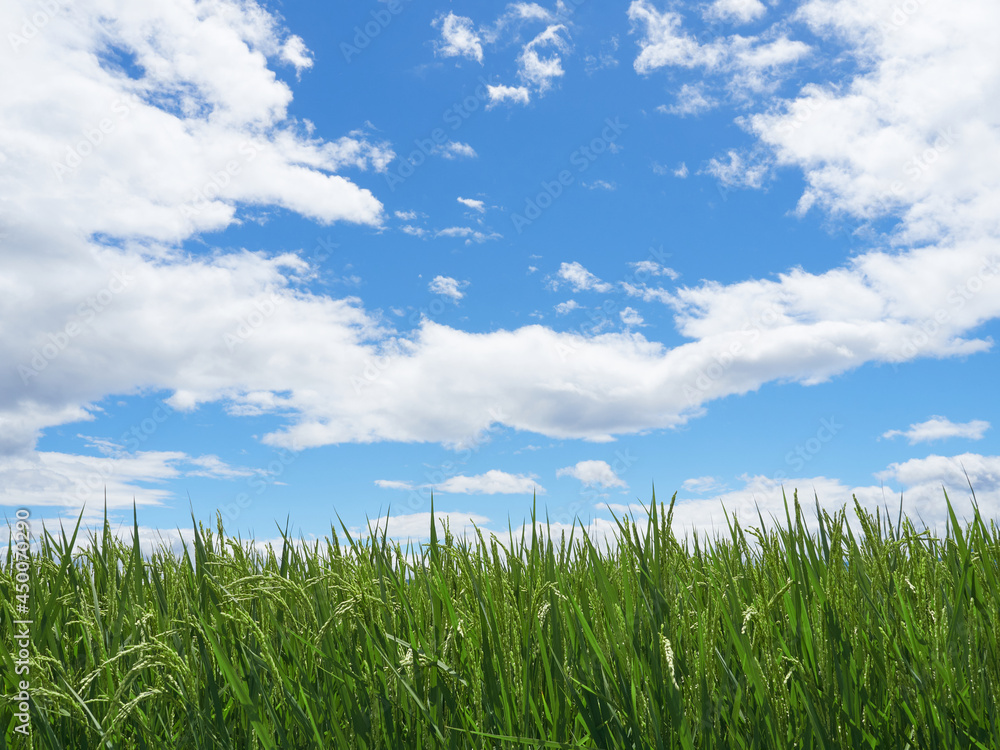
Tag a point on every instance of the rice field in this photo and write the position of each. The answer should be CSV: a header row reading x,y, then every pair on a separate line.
x,y
865,633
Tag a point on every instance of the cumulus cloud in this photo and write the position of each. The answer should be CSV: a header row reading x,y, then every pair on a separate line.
x,y
540,61
652,268
458,38
295,53
593,473
564,308
211,122
737,11
499,94
471,235
448,287
455,150
631,318
579,278
474,204
493,482
100,248
750,64
918,486
740,170
537,68
941,428
691,100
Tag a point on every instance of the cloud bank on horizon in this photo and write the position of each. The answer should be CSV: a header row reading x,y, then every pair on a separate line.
x,y
132,133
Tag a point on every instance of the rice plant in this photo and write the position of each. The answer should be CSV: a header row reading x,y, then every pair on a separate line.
x,y
874,635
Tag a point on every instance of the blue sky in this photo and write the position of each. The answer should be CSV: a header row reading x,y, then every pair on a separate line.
x,y
307,260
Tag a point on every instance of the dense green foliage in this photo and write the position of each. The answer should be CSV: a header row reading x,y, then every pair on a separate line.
x,y
879,636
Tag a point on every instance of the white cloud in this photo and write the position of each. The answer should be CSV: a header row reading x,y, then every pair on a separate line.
x,y
448,287
406,215
580,279
471,235
691,100
652,268
413,231
499,94
539,71
751,64
941,428
737,11
61,480
681,171
540,61
295,53
473,204
217,135
493,482
740,170
458,38
455,149
631,318
593,473
564,308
